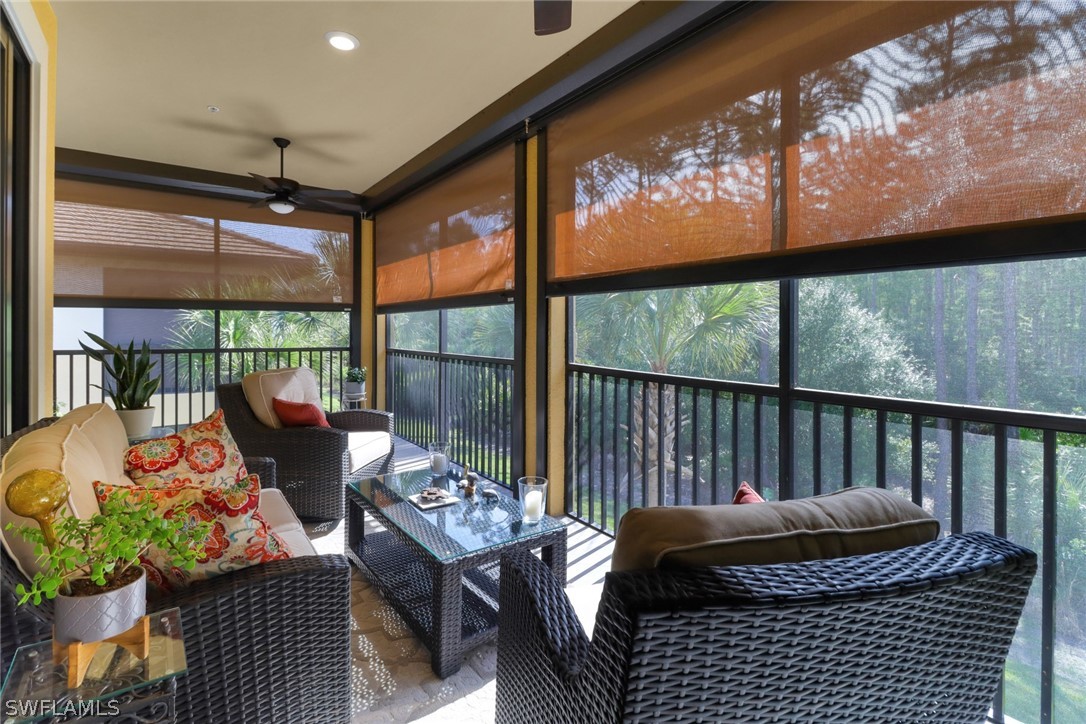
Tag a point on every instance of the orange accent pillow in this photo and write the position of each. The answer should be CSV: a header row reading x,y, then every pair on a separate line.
x,y
746,494
299,414
240,536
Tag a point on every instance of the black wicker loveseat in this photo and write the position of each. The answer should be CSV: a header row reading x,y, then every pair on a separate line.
x,y
914,634
313,463
268,643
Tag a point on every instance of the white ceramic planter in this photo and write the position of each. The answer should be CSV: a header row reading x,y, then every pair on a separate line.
x,y
137,423
98,617
353,388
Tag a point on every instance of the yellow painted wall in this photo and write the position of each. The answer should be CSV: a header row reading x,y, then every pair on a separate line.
x,y
367,334
35,24
531,317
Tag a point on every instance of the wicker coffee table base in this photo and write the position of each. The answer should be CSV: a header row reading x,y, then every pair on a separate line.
x,y
452,606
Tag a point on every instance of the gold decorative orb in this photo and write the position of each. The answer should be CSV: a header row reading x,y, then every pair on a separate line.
x,y
37,493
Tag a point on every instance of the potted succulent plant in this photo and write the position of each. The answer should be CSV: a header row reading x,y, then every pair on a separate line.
x,y
355,379
132,385
92,566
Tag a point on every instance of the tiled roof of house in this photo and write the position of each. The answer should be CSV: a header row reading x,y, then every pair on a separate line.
x,y
105,228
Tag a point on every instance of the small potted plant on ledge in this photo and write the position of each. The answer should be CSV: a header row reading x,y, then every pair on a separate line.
x,y
132,385
354,381
92,566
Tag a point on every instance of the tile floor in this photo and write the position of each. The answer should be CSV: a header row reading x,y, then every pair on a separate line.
x,y
392,680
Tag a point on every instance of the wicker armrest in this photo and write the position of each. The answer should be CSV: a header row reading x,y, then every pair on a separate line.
x,y
313,443
264,468
358,420
268,643
532,596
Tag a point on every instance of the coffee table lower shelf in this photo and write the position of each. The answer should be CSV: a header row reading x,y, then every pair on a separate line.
x,y
407,584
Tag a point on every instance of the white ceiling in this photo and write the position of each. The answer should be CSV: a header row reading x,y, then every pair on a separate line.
x,y
135,79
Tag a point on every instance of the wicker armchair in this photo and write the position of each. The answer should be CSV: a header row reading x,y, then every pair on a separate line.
x,y
916,634
269,643
313,463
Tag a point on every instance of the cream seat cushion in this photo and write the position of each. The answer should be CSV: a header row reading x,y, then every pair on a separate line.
x,y
281,518
849,522
293,384
366,446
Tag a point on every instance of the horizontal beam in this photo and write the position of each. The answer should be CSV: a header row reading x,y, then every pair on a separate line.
x,y
1050,239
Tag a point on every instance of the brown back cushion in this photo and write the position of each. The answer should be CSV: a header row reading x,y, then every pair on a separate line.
x,y
849,522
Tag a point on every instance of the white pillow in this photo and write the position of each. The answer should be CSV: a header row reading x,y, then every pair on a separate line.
x,y
293,384
60,447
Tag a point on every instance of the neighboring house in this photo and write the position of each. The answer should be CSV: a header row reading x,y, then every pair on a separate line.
x,y
128,253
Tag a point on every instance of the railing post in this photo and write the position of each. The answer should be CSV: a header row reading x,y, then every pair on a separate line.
x,y
216,346
442,425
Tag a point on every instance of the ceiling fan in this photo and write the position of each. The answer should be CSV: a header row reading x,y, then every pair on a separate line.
x,y
287,194
552,16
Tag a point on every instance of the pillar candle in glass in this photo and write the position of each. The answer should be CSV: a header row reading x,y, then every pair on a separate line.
x,y
439,458
533,498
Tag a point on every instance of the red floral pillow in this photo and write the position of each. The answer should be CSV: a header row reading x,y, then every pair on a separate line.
x,y
203,453
746,494
239,537
299,414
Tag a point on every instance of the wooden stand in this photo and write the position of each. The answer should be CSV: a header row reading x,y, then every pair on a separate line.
x,y
136,640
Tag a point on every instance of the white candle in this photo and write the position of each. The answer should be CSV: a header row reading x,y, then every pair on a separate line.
x,y
439,463
533,505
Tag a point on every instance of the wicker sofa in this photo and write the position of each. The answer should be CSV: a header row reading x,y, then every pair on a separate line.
x,y
915,634
313,463
268,643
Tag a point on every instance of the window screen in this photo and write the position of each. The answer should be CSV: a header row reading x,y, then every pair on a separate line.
x,y
451,239
809,124
120,243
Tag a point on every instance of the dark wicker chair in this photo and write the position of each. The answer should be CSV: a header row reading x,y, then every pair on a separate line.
x,y
269,643
917,634
312,463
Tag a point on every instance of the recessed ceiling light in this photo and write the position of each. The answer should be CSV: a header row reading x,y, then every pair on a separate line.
x,y
340,40
213,109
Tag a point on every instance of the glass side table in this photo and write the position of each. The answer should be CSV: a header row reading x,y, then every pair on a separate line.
x,y
153,433
117,682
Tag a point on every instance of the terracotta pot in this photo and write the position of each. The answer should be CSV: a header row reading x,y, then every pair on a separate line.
x,y
137,423
98,617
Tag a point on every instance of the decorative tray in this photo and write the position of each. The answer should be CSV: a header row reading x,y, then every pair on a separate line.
x,y
430,504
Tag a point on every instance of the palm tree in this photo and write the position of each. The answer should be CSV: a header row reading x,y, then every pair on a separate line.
x,y
704,332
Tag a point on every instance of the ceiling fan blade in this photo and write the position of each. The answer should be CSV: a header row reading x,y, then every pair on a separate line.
x,y
268,184
552,16
318,204
314,192
337,205
287,184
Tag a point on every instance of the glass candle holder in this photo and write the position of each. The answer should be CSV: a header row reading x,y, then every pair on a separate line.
x,y
439,458
533,498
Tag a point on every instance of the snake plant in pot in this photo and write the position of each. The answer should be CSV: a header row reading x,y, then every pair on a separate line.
x,y
132,384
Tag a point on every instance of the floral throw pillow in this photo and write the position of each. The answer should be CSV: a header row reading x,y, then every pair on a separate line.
x,y
204,453
239,537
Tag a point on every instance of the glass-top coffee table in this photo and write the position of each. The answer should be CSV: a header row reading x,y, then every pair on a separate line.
x,y
118,685
439,568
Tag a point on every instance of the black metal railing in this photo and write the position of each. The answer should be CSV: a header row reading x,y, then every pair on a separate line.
x,y
189,376
640,439
463,400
